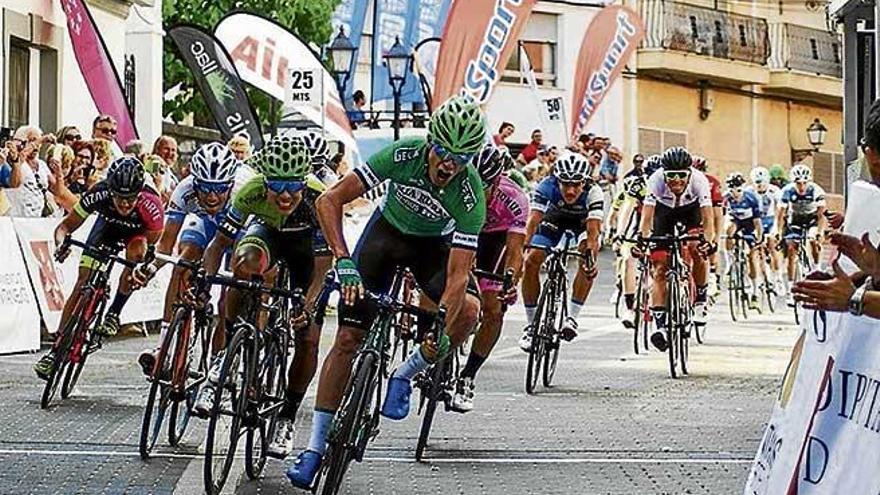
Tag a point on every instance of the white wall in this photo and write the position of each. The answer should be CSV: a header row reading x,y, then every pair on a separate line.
x,y
76,106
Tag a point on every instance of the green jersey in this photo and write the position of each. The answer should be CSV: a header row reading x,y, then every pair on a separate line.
x,y
414,205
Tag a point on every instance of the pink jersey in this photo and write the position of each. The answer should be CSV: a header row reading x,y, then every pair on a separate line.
x,y
508,209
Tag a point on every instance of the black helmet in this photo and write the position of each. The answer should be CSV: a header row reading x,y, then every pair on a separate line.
x,y
652,164
735,180
489,163
125,176
676,158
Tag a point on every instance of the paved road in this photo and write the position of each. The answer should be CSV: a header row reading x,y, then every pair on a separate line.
x,y
614,424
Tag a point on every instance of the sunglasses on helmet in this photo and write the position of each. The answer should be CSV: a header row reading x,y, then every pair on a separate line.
x,y
676,174
460,159
280,186
212,187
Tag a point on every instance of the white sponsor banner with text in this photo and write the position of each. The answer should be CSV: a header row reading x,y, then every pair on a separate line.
x,y
54,281
19,318
824,433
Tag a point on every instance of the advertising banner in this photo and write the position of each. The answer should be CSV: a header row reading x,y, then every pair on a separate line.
x,y
97,68
19,317
823,436
608,43
478,38
263,52
218,81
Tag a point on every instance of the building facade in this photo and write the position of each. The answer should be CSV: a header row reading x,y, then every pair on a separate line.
x,y
41,80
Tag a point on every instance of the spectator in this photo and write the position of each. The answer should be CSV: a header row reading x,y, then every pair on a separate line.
x,y
637,169
83,167
530,152
104,127
504,132
157,170
601,143
61,160
595,159
610,167
356,115
31,198
103,157
137,148
552,155
68,135
586,141
240,146
11,171
166,147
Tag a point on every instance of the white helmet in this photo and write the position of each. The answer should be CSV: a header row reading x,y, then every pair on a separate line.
x,y
571,167
318,148
214,162
801,173
760,175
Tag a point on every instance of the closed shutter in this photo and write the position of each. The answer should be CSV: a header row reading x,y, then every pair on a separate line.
x,y
823,170
672,138
650,141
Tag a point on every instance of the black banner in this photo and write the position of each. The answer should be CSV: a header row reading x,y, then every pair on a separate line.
x,y
217,79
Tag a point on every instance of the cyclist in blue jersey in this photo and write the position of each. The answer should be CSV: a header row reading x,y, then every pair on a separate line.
x,y
801,208
566,200
744,218
768,194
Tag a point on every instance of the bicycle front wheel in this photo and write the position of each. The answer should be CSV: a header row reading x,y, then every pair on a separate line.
x,y
672,325
227,413
181,410
345,434
158,399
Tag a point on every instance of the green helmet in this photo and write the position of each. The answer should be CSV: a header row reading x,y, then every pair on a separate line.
x,y
284,157
458,125
777,172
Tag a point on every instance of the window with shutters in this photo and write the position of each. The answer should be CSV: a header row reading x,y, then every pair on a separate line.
x,y
539,41
829,171
19,84
654,141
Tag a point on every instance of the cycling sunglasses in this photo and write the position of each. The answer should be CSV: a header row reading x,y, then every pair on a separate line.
x,y
460,159
212,187
280,186
676,174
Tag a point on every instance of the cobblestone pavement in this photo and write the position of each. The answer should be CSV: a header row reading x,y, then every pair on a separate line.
x,y
614,423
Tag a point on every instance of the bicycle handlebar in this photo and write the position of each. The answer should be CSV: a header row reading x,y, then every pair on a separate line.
x,y
102,253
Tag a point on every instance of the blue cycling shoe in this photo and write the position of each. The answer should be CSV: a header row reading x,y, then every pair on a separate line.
x,y
396,405
304,470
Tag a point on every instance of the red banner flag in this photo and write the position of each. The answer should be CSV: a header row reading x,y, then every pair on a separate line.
x,y
97,68
609,41
479,37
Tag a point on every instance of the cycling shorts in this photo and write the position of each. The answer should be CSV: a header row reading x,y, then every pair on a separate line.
x,y
491,254
767,224
798,227
383,248
665,219
293,248
108,235
549,234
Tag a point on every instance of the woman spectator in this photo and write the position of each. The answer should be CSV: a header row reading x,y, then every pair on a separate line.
x,y
157,169
240,146
68,135
61,160
103,156
83,167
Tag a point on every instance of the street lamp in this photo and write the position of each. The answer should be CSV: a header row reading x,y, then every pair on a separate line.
x,y
342,52
816,135
398,61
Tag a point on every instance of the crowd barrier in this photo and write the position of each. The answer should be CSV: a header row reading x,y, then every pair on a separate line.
x,y
823,436
33,286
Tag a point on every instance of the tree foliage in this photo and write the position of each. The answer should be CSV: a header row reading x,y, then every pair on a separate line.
x,y
309,19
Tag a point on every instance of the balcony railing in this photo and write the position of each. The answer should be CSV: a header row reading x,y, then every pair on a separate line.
x,y
805,49
705,31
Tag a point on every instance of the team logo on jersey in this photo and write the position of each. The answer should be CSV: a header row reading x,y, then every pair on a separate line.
x,y
405,154
468,198
420,202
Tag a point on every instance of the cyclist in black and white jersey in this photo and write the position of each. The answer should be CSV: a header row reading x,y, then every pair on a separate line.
x,y
678,194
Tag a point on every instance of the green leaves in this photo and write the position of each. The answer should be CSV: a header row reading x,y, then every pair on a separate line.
x,y
309,19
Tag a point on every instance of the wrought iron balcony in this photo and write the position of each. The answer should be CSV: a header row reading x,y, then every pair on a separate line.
x,y
804,49
705,31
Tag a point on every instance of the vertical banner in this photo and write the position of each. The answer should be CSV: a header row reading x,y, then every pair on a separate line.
x,y
97,68
609,41
218,81
478,39
263,52
425,66
411,21
350,16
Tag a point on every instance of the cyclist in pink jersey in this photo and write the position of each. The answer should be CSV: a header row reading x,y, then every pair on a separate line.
x,y
499,248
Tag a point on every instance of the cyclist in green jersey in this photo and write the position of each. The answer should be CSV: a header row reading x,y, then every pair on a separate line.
x,y
432,215
273,218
